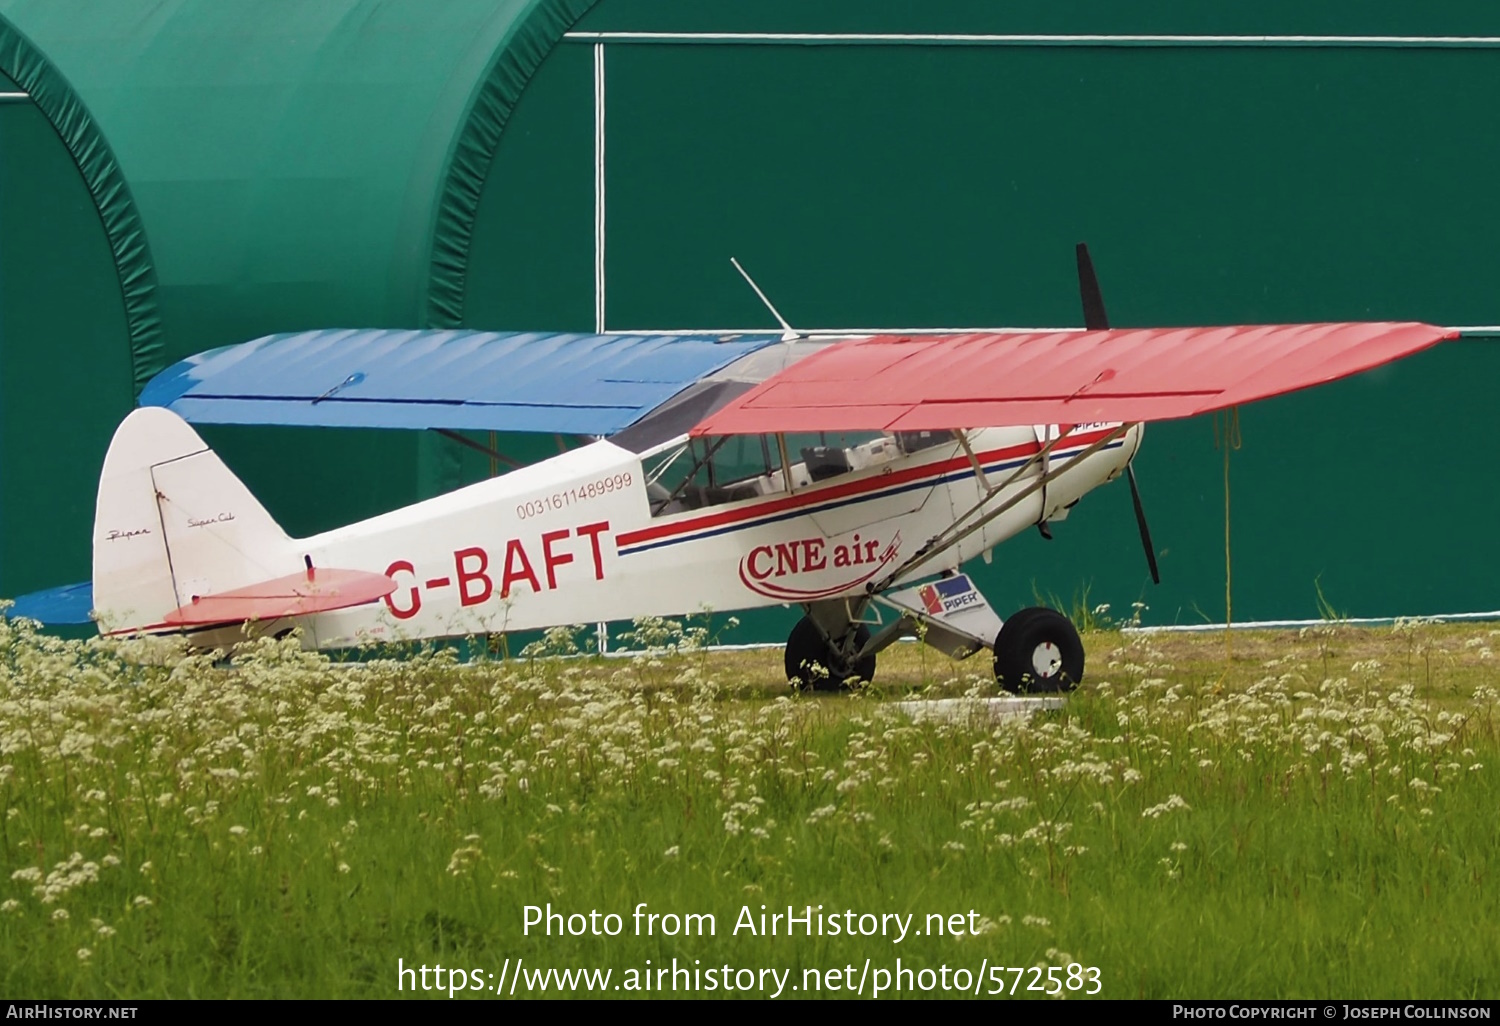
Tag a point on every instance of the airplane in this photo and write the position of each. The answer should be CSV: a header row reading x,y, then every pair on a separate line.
x,y
852,475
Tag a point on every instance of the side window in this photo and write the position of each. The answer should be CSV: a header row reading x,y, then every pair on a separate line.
x,y
728,468
827,454
709,471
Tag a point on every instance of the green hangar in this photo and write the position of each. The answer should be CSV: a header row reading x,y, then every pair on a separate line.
x,y
184,174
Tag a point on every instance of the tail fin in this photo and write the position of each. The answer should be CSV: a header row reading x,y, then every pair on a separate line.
x,y
172,522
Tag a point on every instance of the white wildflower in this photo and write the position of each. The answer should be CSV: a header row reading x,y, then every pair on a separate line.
x,y
463,859
821,813
1172,803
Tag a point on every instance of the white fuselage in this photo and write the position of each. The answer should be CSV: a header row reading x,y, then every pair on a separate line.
x,y
574,539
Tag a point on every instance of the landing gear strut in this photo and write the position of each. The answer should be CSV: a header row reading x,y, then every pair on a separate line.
x,y
1038,651
827,662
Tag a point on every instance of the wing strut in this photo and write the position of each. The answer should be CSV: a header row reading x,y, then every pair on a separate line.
x,y
991,490
984,481
957,531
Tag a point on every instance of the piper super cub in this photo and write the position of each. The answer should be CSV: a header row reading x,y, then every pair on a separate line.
x,y
847,474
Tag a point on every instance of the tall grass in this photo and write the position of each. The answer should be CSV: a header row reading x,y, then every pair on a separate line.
x,y
1321,822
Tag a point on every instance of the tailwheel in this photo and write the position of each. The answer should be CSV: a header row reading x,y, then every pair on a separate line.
x,y
1038,652
812,661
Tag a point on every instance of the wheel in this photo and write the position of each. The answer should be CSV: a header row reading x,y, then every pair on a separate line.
x,y
1038,652
811,661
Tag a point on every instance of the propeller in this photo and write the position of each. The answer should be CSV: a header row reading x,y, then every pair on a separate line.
x,y
1140,519
1095,319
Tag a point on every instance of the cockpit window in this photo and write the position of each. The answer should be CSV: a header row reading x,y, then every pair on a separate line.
x,y
729,468
708,471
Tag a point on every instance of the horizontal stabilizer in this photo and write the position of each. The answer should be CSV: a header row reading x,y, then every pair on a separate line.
x,y
66,604
317,590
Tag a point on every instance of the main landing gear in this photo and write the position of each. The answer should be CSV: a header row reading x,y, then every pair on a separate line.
x,y
1036,651
826,661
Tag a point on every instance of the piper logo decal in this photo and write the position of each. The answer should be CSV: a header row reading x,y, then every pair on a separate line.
x,y
767,568
950,595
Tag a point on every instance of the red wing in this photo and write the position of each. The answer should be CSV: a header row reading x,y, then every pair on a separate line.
x,y
317,591
916,383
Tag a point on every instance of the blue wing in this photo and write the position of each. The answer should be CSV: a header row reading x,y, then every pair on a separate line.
x,y
70,603
474,380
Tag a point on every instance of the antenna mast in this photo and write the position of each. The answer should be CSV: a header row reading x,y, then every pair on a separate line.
x,y
789,334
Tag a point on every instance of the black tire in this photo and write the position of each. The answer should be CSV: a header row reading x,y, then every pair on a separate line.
x,y
1038,652
811,662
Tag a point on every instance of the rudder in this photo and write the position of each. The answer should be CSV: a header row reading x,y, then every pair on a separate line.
x,y
172,521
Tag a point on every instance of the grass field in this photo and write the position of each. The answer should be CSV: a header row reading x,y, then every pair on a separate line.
x,y
1308,814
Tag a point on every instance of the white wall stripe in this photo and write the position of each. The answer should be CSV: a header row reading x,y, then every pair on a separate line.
x,y
1484,332
1282,625
599,187
1033,39
599,316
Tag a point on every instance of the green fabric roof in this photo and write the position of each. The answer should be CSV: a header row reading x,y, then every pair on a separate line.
x,y
30,70
296,164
